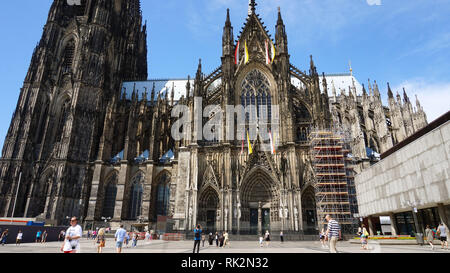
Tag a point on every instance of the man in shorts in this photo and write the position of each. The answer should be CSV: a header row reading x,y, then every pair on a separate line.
x,y
442,230
73,235
120,238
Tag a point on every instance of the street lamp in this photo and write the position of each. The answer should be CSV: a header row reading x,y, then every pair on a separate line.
x,y
414,205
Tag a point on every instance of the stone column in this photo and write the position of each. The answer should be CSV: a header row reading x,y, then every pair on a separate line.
x,y
121,187
29,197
147,194
259,218
300,210
371,229
442,215
394,230
93,206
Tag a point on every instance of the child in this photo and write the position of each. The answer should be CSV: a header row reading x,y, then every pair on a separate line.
x,y
261,241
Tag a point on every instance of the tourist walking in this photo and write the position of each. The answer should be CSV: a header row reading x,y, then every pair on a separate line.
x,y
442,233
221,240
226,239
211,239
281,237
333,233
364,235
73,234
61,236
19,238
217,239
44,237
261,241
4,237
101,242
127,239
135,239
267,238
147,236
197,238
430,236
120,235
38,236
203,240
323,239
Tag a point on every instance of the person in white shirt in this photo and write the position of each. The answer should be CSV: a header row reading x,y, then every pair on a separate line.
x,y
19,237
73,235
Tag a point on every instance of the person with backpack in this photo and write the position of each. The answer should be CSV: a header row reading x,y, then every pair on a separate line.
x,y
429,234
197,238
364,236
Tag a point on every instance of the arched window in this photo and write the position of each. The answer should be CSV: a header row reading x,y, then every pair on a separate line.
x,y
63,116
109,201
68,55
256,91
163,196
137,190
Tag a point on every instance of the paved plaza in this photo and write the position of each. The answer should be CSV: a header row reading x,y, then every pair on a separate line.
x,y
185,247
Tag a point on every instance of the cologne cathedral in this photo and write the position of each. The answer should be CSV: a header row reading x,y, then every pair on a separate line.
x,y
91,136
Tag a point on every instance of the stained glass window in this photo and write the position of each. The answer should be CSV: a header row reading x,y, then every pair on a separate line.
x,y
256,91
163,196
109,202
137,190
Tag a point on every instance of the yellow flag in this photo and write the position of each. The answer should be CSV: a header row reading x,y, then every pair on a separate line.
x,y
273,52
246,53
250,150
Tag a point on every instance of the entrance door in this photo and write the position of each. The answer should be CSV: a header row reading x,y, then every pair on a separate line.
x,y
253,221
265,220
211,220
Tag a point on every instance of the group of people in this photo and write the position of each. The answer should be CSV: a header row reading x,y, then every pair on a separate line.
x,y
439,233
222,239
41,237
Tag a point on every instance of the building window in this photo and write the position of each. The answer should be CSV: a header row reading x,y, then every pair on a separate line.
x,y
163,196
110,197
137,191
256,92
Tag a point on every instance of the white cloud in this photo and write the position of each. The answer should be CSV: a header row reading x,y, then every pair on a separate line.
x,y
374,2
433,96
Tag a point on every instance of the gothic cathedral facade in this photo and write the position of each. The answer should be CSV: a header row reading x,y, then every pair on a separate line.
x,y
81,143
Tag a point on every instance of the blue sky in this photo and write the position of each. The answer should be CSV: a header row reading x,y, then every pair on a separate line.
x,y
404,42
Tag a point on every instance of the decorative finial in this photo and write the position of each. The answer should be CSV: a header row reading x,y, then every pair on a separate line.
x,y
251,7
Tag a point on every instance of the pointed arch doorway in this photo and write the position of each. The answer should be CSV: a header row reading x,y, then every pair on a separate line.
x,y
209,205
259,197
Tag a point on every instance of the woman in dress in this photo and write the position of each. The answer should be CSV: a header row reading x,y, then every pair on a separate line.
x,y
101,242
267,237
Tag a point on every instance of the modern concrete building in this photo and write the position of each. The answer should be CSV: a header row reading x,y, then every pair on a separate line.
x,y
411,183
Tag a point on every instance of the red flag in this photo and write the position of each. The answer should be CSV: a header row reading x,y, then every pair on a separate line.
x,y
236,54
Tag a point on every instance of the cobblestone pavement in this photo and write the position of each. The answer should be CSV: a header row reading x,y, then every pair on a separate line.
x,y
88,246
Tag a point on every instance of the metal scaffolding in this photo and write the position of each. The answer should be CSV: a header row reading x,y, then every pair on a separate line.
x,y
334,186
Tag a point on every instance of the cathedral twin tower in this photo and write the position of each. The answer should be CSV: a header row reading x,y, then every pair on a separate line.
x,y
81,143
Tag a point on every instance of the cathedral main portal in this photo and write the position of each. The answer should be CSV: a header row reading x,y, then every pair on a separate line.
x,y
259,197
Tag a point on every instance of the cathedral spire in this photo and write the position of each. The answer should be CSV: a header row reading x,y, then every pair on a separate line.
x,y
280,35
251,7
153,93
405,96
390,94
228,37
